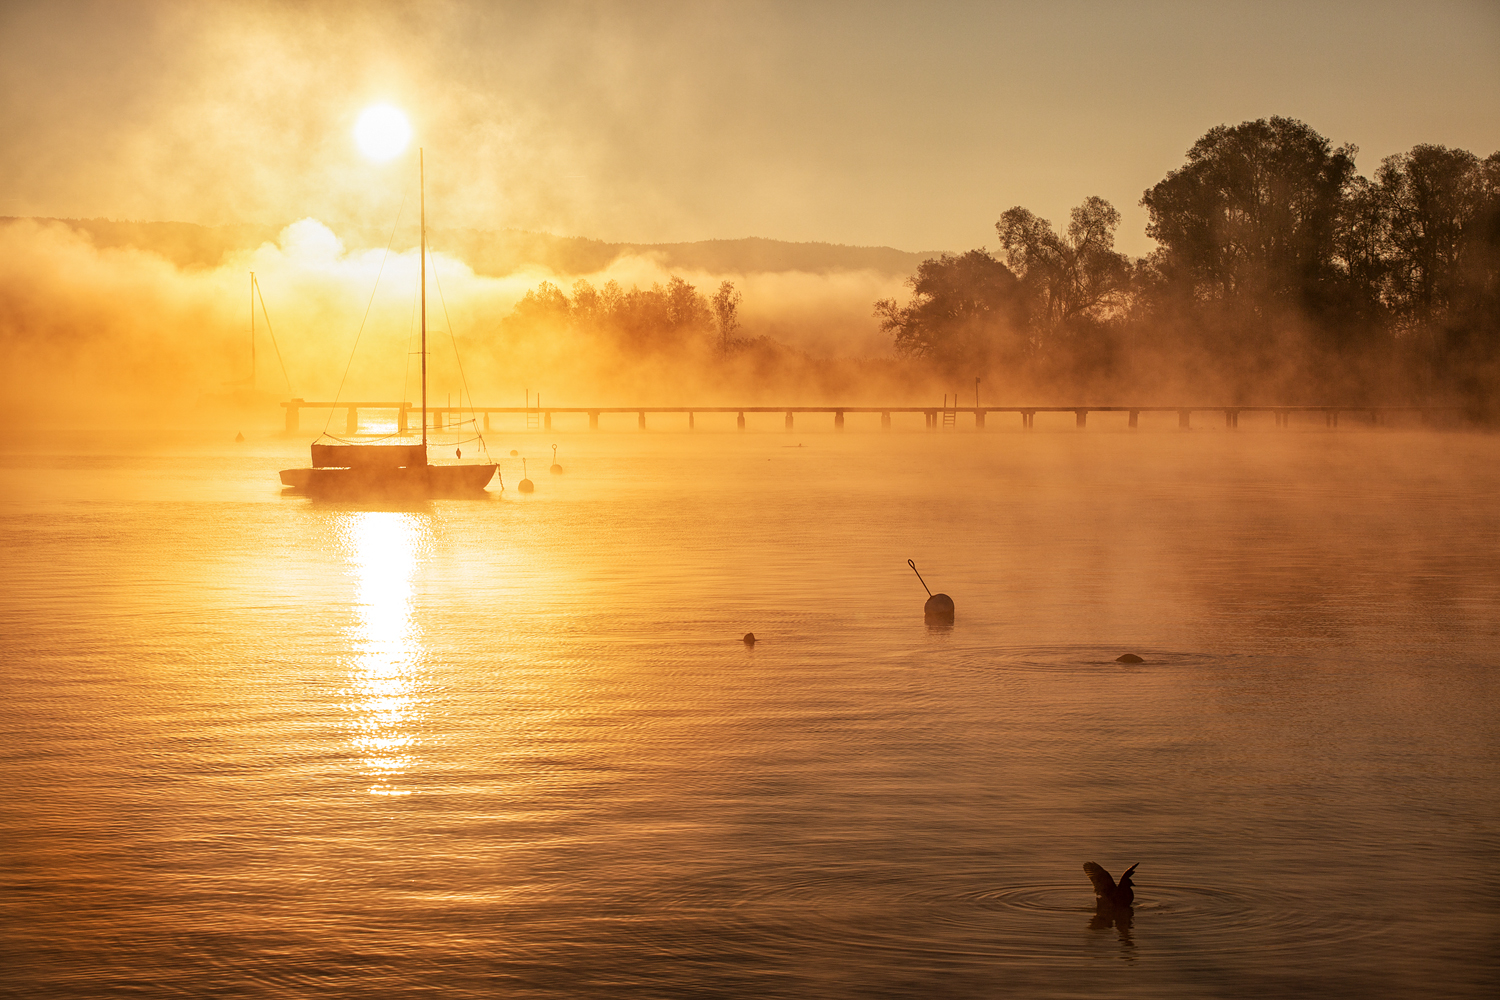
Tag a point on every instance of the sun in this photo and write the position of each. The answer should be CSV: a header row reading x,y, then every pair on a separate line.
x,y
382,131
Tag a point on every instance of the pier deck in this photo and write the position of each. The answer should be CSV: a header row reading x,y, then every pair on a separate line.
x,y
935,416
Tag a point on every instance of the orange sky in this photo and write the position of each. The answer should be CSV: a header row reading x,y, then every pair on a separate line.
x,y
908,125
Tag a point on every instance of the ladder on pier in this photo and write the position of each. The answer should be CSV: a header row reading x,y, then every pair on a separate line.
x,y
950,416
533,417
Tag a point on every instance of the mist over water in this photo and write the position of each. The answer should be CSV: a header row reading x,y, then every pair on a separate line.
x,y
264,745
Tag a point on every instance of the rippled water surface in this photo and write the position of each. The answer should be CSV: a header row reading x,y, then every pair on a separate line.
x,y
259,745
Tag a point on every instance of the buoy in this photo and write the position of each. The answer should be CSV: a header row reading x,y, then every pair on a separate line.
x,y
514,453
939,607
555,467
525,485
239,438
749,638
1128,658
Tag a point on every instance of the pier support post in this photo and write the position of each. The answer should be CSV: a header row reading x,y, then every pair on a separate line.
x,y
401,412
1083,417
931,419
353,425
1231,419
740,421
641,420
547,420
593,420
788,419
690,419
838,420
1028,419
292,414
979,420
885,420
486,420
1135,419
1184,419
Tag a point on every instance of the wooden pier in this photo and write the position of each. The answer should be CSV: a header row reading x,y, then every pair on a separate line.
x,y
935,417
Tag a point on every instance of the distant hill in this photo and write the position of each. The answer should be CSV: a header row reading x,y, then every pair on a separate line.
x,y
502,252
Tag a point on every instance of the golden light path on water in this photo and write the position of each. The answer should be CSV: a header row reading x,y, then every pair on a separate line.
x,y
384,702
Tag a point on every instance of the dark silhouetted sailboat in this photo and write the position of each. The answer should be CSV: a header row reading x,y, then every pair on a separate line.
x,y
358,470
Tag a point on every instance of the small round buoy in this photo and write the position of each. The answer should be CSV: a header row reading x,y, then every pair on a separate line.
x,y
514,453
1128,658
458,453
749,638
239,438
555,467
525,486
939,608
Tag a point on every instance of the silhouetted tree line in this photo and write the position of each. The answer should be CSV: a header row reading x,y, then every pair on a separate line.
x,y
642,321
1280,274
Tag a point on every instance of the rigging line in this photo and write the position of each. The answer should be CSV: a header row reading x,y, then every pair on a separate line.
x,y
463,379
411,334
272,332
361,331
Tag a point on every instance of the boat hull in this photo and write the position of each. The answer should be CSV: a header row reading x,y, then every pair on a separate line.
x,y
412,481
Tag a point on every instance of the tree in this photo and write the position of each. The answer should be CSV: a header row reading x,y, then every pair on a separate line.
x,y
966,310
1434,197
1071,278
1253,215
726,305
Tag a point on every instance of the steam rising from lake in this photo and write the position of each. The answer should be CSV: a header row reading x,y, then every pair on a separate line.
x,y
87,327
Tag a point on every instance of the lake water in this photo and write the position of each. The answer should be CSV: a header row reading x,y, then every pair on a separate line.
x,y
259,745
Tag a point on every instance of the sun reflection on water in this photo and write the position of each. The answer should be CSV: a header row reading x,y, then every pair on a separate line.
x,y
384,701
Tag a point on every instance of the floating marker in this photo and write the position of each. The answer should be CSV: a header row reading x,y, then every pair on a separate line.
x,y
525,485
555,467
514,453
1128,658
239,438
939,607
749,638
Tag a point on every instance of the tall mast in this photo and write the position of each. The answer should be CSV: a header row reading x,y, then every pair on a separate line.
x,y
422,184
252,331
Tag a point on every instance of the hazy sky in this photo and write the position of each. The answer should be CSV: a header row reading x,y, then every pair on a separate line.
x,y
911,125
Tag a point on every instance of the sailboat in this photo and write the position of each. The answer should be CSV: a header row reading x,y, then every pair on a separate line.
x,y
376,470
245,393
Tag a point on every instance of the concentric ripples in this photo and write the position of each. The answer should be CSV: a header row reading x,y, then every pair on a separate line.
x,y
975,917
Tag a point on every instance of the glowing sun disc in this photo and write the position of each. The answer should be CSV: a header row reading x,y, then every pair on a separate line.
x,y
382,131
